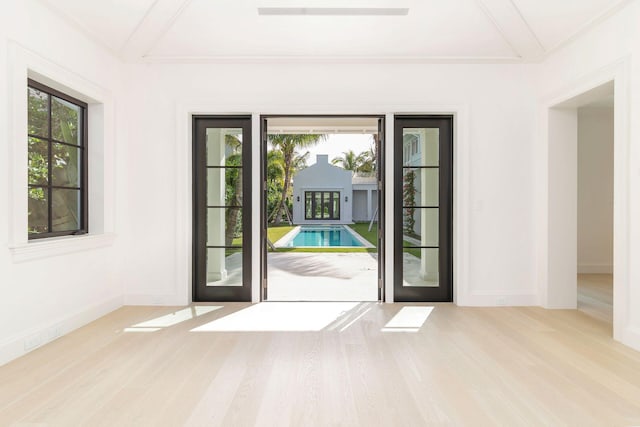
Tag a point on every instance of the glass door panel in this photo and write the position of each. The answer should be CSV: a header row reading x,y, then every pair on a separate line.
x,y
423,206
221,197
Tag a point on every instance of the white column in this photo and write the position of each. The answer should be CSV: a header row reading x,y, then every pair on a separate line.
x,y
369,213
429,219
216,268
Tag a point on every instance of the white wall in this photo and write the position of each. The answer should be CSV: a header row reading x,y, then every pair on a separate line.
x,y
500,189
43,295
611,50
360,208
496,124
595,190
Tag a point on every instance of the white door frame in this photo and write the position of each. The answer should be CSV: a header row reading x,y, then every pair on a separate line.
x,y
556,213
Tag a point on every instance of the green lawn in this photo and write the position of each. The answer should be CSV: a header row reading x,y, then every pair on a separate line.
x,y
277,232
362,229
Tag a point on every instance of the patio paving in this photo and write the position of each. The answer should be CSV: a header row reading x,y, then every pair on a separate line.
x,y
322,276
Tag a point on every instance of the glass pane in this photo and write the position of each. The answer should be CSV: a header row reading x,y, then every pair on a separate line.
x,y
308,208
336,206
38,210
66,119
326,205
65,170
38,113
420,187
224,227
420,267
224,267
65,210
421,146
38,161
421,226
224,187
224,147
318,206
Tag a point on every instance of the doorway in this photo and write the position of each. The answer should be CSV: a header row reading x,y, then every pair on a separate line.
x,y
322,210
595,207
565,248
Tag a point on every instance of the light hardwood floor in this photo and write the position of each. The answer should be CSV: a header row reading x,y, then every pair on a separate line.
x,y
595,296
464,366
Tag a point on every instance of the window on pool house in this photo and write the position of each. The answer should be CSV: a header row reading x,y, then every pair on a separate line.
x,y
57,163
322,205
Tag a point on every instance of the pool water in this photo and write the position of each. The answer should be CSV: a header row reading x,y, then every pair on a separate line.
x,y
324,237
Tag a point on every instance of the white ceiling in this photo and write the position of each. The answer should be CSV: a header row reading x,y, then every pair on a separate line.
x,y
433,30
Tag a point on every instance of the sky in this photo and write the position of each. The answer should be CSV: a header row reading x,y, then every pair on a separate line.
x,y
336,144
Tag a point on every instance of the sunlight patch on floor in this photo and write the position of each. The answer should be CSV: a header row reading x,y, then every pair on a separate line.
x,y
281,316
172,319
408,319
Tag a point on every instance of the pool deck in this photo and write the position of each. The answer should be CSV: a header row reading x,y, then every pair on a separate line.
x,y
322,277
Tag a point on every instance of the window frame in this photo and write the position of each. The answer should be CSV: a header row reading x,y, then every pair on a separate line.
x,y
84,175
330,200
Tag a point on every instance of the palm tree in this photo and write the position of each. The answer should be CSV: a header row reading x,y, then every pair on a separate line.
x,y
287,144
275,180
300,161
348,161
275,166
367,161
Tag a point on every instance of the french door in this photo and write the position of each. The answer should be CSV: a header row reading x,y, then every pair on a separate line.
x,y
222,208
423,206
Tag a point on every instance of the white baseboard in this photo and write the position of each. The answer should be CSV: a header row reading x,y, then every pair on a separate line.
x,y
595,269
498,299
163,300
21,344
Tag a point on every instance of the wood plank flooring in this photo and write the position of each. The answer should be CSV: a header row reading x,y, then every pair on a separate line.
x,y
464,366
595,296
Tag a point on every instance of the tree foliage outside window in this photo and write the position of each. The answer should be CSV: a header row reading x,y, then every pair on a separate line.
x,y
363,163
291,160
56,147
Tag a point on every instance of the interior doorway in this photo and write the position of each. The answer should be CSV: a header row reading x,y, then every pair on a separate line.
x,y
595,207
586,225
322,208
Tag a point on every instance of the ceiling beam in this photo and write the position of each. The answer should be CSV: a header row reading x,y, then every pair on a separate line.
x,y
156,23
514,28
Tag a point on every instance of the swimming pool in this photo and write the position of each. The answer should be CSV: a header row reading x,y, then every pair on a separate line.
x,y
322,236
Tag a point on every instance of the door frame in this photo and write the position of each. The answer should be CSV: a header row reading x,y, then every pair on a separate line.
x,y
382,129
554,111
200,209
444,292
